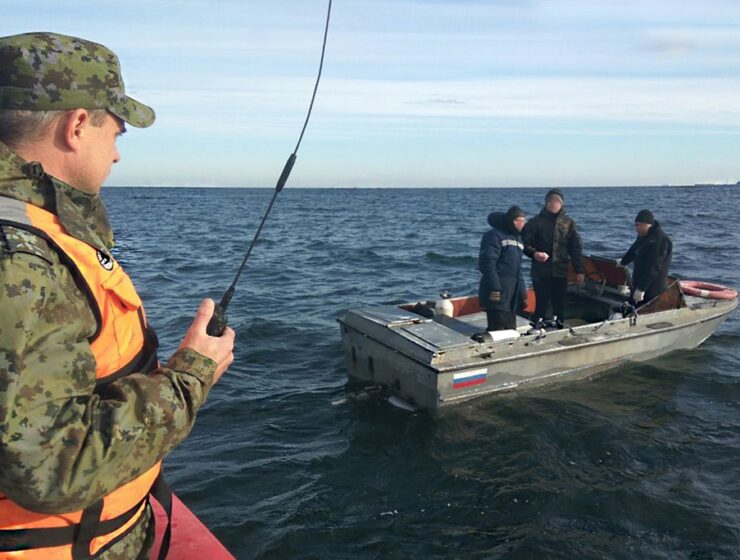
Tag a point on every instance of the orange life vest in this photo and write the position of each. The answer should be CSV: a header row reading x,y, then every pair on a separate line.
x,y
123,344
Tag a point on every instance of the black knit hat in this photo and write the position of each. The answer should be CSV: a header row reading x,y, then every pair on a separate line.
x,y
555,192
513,213
645,216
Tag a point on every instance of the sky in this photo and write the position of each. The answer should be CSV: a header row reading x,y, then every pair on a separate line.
x,y
420,93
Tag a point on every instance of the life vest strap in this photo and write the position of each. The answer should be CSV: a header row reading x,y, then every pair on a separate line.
x,y
86,531
162,493
13,540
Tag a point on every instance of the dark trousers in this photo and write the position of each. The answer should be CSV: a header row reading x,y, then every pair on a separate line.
x,y
654,290
500,320
550,291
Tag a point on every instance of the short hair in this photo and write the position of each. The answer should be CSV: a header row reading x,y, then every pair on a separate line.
x,y
18,127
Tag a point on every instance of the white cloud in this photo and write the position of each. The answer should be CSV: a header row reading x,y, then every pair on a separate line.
x,y
440,77
273,102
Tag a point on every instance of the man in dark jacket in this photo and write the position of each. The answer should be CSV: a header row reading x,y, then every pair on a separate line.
x,y
551,240
651,252
502,288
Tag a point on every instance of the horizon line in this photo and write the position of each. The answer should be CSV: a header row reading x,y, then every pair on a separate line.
x,y
687,185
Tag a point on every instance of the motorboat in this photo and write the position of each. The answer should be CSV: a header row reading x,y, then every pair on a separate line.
x,y
434,353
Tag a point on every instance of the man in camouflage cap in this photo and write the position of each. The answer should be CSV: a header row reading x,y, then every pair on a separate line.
x,y
74,430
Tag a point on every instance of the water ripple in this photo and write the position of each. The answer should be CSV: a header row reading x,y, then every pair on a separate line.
x,y
637,464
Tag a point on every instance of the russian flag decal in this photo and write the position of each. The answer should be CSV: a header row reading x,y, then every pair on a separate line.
x,y
469,378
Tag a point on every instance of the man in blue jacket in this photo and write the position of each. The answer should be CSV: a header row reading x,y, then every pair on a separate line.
x,y
502,288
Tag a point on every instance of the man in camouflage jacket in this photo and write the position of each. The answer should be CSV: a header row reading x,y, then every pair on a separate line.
x,y
62,445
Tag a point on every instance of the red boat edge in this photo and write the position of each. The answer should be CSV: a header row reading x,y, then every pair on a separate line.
x,y
191,540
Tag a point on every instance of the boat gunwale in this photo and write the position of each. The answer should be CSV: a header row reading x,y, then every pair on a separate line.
x,y
727,305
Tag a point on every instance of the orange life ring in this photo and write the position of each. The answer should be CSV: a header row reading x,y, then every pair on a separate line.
x,y
707,290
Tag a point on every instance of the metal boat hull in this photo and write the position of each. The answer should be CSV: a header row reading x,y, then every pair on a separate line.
x,y
430,368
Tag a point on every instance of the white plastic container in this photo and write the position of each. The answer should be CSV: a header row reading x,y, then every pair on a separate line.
x,y
508,334
444,306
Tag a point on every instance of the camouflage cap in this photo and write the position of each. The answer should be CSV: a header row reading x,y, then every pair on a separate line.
x,y
51,72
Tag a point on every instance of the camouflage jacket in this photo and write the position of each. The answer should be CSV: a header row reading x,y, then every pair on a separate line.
x,y
63,446
557,236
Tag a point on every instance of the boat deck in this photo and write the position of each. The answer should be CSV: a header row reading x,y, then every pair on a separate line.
x,y
475,323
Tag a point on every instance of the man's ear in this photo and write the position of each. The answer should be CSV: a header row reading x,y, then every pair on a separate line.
x,y
72,129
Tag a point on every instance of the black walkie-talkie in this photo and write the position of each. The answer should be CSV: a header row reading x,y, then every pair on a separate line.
x,y
218,322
